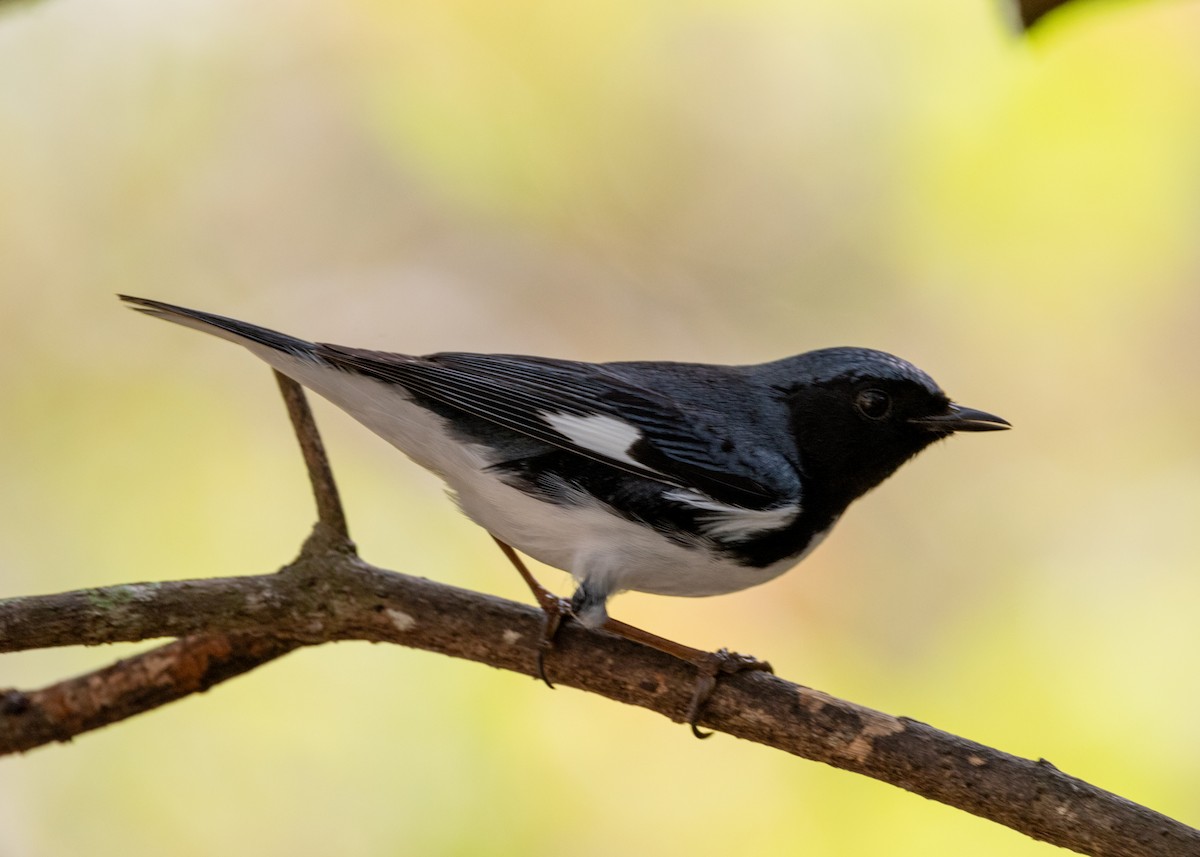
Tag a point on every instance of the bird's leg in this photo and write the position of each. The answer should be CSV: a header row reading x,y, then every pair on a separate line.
x,y
554,607
710,665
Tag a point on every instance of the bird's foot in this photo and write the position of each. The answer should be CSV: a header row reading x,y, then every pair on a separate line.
x,y
555,609
711,666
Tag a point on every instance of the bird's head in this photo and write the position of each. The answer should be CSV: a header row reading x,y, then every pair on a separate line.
x,y
858,414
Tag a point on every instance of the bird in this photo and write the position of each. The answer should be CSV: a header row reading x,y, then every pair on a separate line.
x,y
672,478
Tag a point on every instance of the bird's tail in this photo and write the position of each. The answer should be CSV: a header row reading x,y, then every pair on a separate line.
x,y
226,328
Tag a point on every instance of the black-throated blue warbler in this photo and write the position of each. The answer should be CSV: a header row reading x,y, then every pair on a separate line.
x,y
670,478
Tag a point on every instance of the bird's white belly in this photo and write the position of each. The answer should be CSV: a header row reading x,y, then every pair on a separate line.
x,y
613,553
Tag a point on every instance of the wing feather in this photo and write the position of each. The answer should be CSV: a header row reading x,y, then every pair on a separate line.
x,y
586,408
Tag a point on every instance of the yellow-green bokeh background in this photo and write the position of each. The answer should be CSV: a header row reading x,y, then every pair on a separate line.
x,y
604,179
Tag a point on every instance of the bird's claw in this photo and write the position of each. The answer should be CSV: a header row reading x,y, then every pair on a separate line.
x,y
554,609
711,667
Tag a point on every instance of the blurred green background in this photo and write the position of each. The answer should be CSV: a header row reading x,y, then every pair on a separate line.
x,y
715,181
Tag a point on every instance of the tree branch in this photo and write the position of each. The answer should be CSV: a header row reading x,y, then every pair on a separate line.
x,y
331,595
189,665
129,687
320,474
228,626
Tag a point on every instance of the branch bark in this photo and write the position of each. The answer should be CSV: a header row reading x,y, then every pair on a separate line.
x,y
228,626
320,475
128,687
190,664
329,594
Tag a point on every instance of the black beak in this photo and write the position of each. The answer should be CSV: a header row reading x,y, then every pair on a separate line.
x,y
958,418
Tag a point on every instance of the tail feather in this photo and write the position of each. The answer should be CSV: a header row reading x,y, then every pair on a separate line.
x,y
226,328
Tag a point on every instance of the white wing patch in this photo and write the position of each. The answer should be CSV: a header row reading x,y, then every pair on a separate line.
x,y
600,433
733,523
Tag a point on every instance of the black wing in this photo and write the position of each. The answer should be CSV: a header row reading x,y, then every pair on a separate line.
x,y
640,430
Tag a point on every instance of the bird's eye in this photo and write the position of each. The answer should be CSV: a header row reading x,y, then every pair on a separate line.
x,y
873,404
